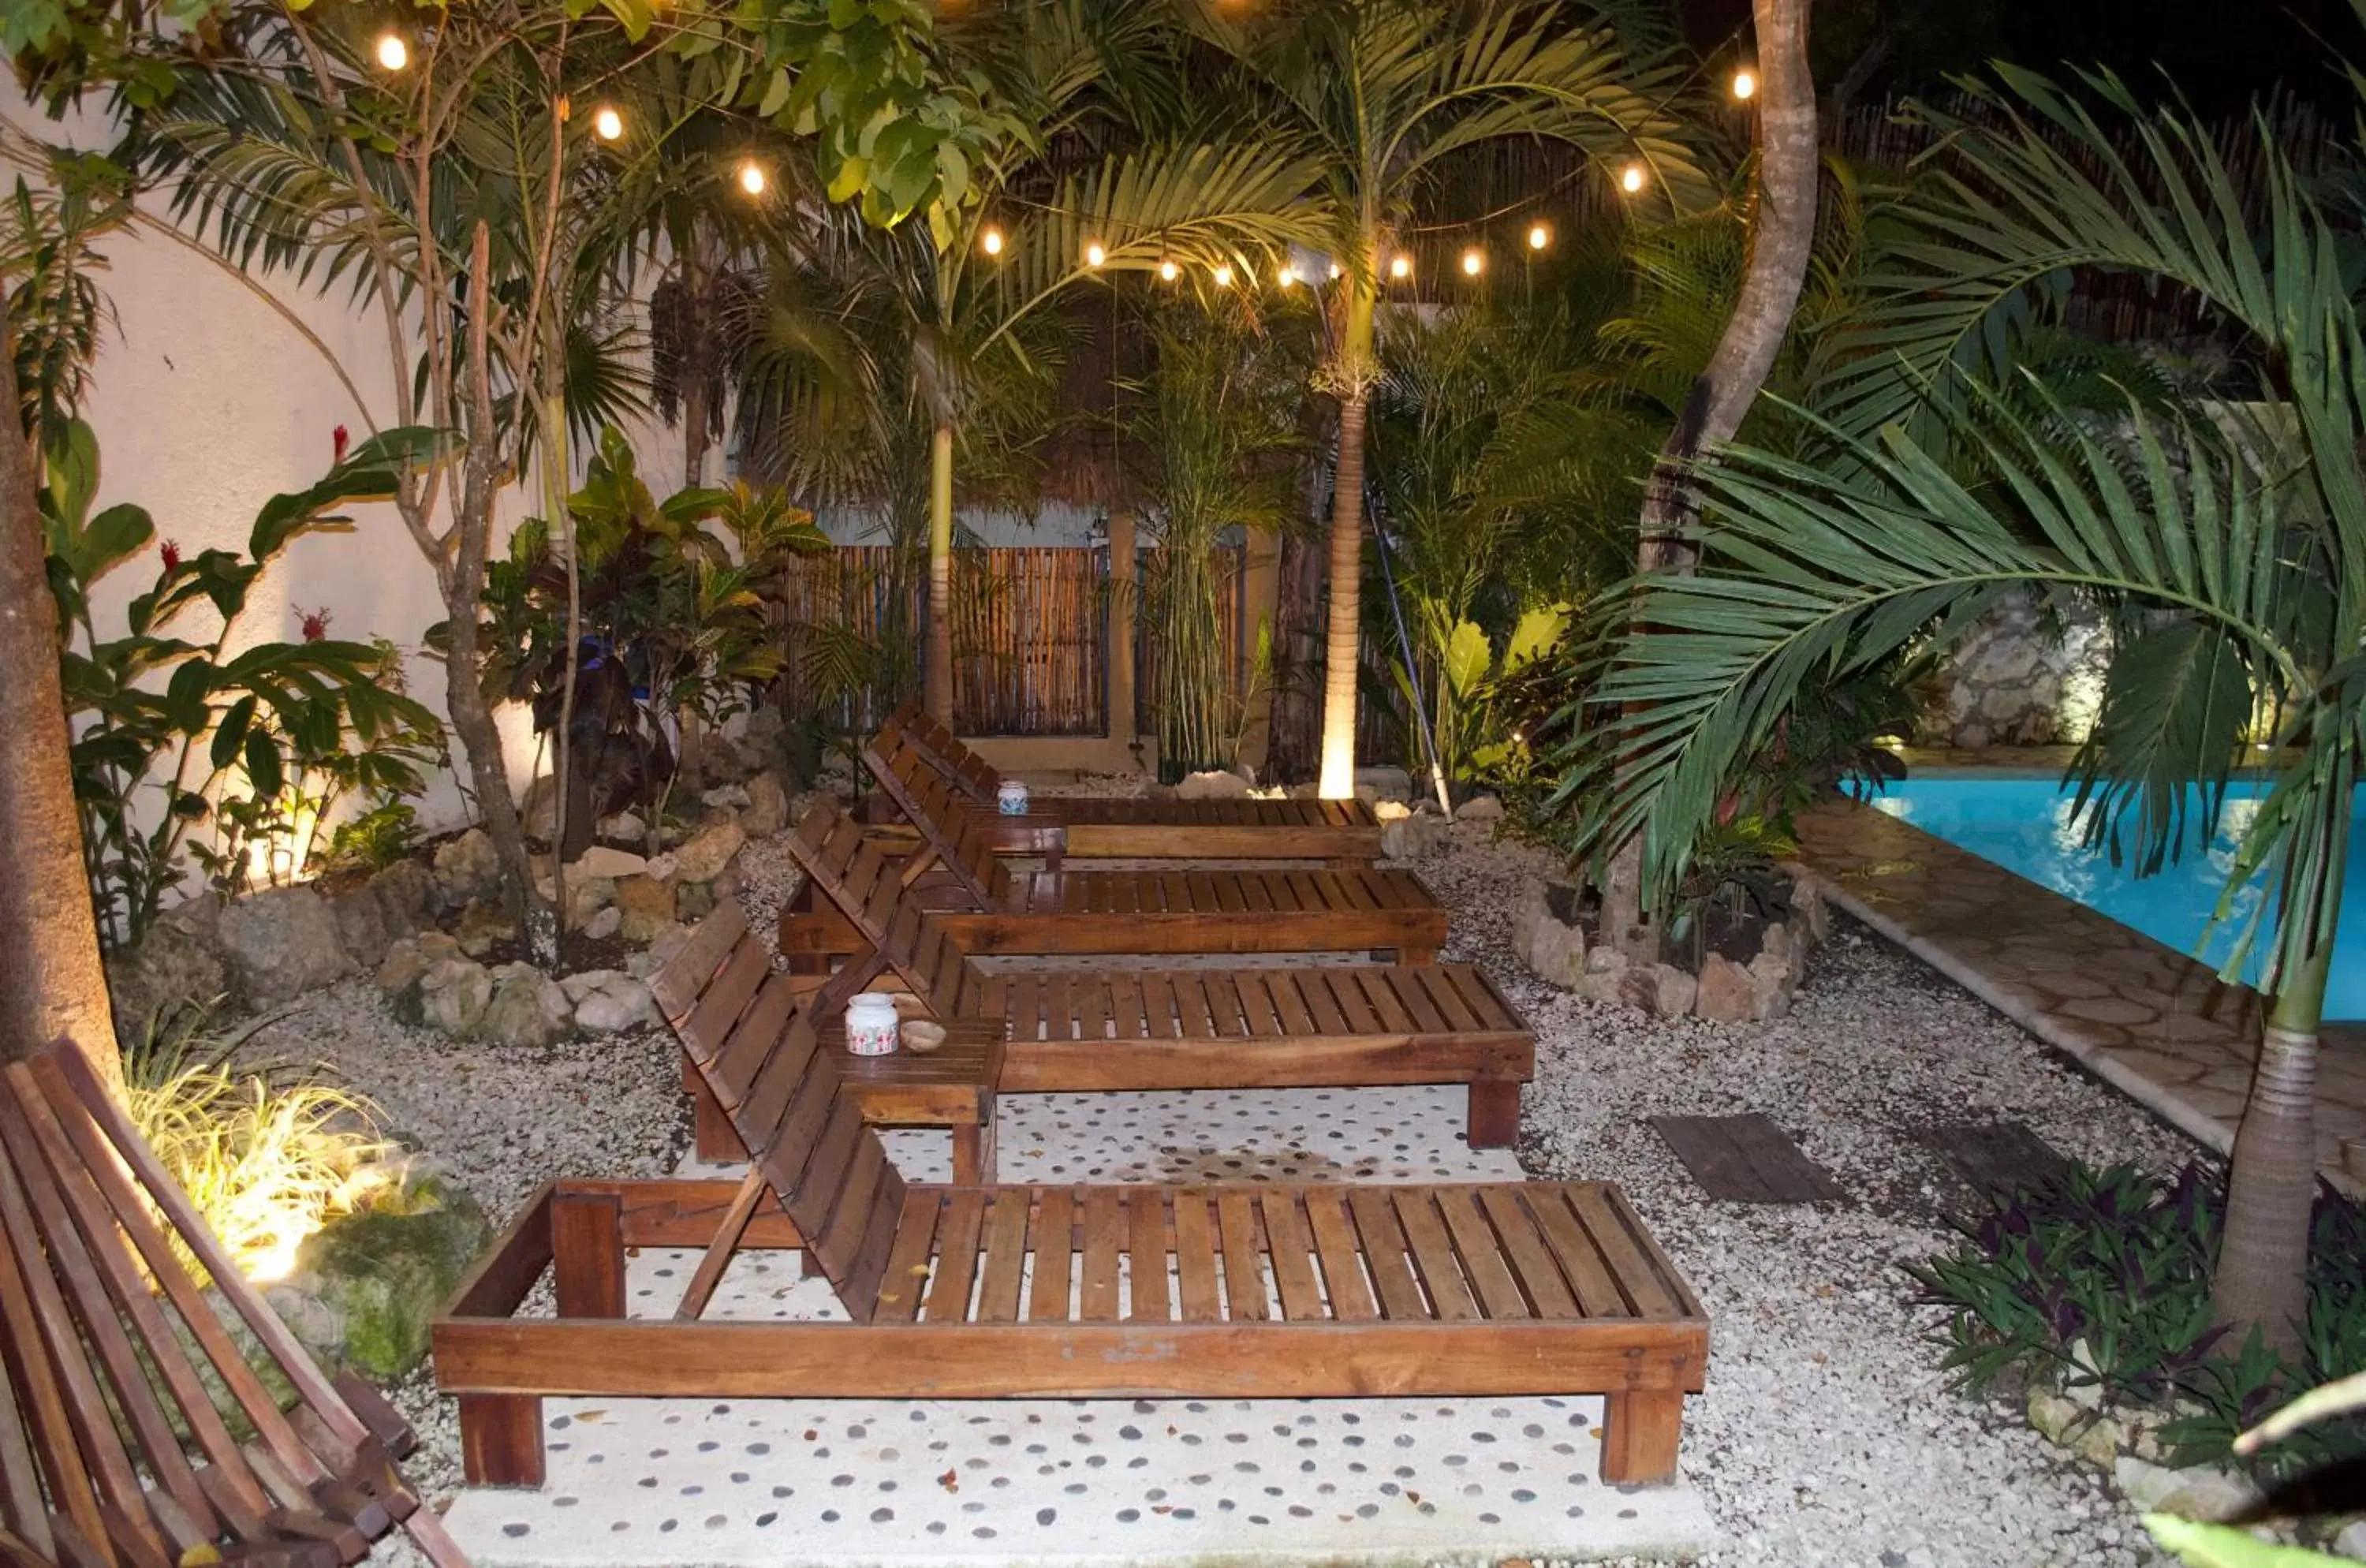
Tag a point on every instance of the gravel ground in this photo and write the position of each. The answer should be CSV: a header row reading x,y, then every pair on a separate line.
x,y
1826,1436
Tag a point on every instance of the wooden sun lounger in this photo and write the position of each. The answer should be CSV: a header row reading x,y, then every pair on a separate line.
x,y
134,1429
1057,1291
912,749
987,908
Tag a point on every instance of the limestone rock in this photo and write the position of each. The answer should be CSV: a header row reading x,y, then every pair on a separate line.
x,y
2099,1444
604,924
766,811
451,997
1727,995
178,963
694,900
527,1008
610,865
2351,1541
2052,1416
539,815
664,867
644,906
722,759
1479,808
281,943
466,868
1386,783
661,949
412,957
703,858
2199,1492
624,828
1213,785
586,897
1391,810
1553,949
1414,836
376,1276
616,1003
1663,989
482,924
725,797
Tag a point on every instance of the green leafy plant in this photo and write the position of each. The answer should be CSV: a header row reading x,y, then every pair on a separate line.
x,y
174,735
378,837
267,1153
2102,1279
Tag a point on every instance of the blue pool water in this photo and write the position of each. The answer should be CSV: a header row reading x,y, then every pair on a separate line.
x,y
2026,827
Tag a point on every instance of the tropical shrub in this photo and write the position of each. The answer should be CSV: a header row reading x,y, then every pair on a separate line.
x,y
2102,1279
174,735
267,1153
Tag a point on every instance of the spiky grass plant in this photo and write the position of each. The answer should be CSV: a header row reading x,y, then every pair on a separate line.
x,y
268,1153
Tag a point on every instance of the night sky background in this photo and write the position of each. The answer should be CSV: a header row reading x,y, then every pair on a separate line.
x,y
2223,55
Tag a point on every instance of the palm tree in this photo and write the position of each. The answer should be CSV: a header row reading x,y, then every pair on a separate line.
x,y
1382,96
2246,545
958,320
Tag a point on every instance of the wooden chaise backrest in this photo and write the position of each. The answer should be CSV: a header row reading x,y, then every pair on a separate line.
x,y
953,826
135,1429
971,773
762,1057
867,888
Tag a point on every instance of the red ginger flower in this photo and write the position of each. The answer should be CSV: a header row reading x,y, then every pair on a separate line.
x,y
171,550
341,439
315,624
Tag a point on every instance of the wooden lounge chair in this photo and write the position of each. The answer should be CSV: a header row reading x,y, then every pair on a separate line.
x,y
134,1429
988,909
1065,1031
1016,1291
911,748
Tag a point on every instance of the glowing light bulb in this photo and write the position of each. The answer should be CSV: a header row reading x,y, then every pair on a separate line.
x,y
607,124
1223,277
751,178
1401,268
1289,276
1094,254
1631,179
1168,271
392,52
1334,272
991,241
1474,262
1745,85
1539,236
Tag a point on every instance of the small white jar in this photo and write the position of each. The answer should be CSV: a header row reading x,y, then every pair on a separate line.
x,y
870,1024
1010,800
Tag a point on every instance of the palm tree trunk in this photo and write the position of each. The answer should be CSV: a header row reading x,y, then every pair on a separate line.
x,y
2262,1278
51,982
937,685
1782,237
1355,375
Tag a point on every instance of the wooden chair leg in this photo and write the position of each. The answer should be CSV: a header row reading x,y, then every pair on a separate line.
x,y
500,1440
712,1137
1494,1113
587,1253
973,1149
720,1251
1639,1433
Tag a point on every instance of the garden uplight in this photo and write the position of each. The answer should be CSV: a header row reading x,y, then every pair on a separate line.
x,y
1094,254
1631,179
751,176
607,124
393,54
991,241
1745,85
1401,268
1474,262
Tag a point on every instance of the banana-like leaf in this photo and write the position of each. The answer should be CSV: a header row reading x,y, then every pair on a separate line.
x,y
2202,1545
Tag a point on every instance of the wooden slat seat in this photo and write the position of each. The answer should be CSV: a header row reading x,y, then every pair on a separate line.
x,y
981,1292
1317,1026
912,752
134,1429
989,909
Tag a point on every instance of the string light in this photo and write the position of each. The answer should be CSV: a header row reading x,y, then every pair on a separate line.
x,y
991,240
1224,276
1539,236
1474,262
1168,271
1094,254
1401,268
607,124
1745,83
393,54
751,176
1631,179
1289,276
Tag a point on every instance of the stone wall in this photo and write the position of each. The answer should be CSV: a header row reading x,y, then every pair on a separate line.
x,y
2023,676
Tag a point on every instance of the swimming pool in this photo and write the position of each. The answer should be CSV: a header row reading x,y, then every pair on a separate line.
x,y
2025,826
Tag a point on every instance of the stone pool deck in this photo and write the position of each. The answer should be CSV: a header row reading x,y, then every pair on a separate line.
x,y
2141,1016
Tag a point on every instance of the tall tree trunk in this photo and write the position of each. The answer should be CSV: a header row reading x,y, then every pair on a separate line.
x,y
1782,232
2262,1278
52,983
697,414
937,680
1353,377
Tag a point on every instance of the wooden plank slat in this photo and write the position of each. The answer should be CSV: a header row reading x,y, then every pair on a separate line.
x,y
1146,1256
1291,1250
1746,1160
948,1300
1383,1244
1006,1256
1433,1256
1335,1246
1053,1246
1194,1258
1104,1223
1245,1284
